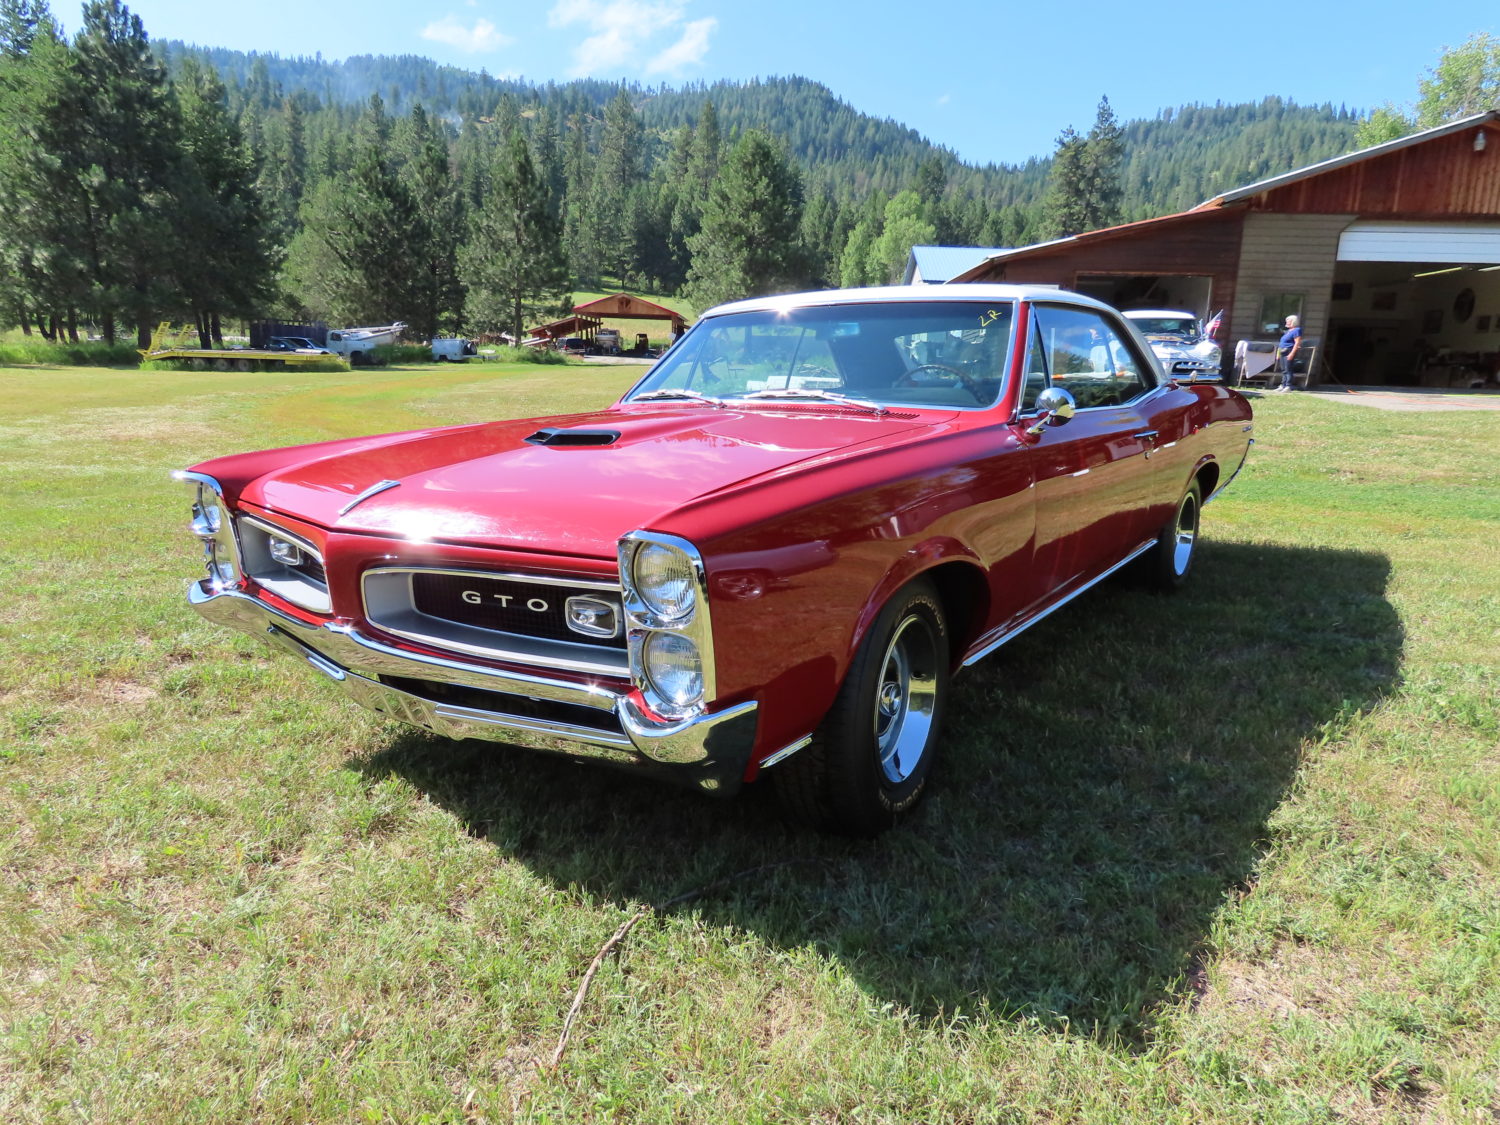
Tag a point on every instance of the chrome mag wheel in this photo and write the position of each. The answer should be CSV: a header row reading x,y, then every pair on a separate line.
x,y
906,698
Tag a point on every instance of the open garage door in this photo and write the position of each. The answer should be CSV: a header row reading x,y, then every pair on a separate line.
x,y
1416,304
1189,292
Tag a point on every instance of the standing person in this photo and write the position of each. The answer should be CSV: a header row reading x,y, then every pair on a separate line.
x,y
1286,351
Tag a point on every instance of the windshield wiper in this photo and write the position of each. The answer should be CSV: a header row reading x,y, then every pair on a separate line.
x,y
668,393
815,393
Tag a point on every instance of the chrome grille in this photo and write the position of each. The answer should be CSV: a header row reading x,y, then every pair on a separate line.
x,y
504,605
517,617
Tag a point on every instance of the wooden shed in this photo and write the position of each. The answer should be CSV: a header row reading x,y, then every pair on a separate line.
x,y
623,306
1390,255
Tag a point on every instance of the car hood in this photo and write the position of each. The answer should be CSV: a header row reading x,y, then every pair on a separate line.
x,y
486,485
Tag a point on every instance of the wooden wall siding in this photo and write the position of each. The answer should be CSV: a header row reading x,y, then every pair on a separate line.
x,y
1200,245
1286,254
1207,245
1444,176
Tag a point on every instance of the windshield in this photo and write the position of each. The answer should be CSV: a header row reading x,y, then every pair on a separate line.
x,y
949,354
1184,326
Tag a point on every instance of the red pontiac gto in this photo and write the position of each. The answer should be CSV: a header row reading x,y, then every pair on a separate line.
x,y
770,556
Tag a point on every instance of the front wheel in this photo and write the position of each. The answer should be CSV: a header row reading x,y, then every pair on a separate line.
x,y
870,759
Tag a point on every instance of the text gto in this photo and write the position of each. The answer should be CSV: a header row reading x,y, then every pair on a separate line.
x,y
474,597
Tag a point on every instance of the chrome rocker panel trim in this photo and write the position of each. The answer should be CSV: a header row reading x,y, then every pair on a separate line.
x,y
988,644
706,751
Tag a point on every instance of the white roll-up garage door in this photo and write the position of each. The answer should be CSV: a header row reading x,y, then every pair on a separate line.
x,y
1459,243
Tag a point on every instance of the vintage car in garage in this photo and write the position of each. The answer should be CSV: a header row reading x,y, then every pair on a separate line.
x,y
1187,352
769,558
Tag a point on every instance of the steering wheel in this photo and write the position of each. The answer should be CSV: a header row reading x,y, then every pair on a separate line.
x,y
963,380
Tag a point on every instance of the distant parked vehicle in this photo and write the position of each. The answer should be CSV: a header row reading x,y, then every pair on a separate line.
x,y
358,345
573,345
1179,341
453,350
295,344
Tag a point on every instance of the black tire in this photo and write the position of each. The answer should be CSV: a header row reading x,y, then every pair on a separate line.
x,y
1171,561
870,759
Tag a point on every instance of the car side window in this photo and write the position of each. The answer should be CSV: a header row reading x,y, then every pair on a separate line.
x,y
1088,357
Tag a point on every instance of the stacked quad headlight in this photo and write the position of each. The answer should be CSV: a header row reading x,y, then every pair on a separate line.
x,y
214,527
666,608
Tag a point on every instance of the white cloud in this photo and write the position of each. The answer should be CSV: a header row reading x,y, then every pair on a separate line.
x,y
483,36
945,99
687,51
623,30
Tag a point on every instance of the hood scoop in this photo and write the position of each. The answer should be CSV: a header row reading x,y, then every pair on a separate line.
x,y
554,436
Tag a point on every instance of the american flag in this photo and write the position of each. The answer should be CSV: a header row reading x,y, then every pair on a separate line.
x,y
1212,327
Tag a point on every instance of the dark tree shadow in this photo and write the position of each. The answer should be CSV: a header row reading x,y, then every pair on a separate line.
x,y
1106,783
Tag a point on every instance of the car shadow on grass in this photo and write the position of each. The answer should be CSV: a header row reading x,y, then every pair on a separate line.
x,y
1106,783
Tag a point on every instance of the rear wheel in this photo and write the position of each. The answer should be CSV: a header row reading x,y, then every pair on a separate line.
x,y
1177,543
870,759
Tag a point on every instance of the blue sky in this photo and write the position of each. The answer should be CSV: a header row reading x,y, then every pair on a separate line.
x,y
993,81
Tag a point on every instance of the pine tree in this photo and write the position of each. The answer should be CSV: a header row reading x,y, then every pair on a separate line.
x,y
20,23
513,262
1106,154
420,150
748,242
114,132
1084,191
351,261
580,238
229,269
40,273
614,198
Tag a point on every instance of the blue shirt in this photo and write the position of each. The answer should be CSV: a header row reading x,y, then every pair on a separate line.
x,y
1289,340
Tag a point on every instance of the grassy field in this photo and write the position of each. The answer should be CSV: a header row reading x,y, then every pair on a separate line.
x,y
1230,856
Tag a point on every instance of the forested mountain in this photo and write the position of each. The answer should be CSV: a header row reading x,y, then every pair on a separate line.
x,y
213,183
1179,158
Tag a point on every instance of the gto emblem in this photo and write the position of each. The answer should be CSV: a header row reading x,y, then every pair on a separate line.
x,y
474,597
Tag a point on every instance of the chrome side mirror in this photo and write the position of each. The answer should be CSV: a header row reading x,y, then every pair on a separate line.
x,y
1056,406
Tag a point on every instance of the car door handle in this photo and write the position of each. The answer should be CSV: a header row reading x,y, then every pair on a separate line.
x,y
1149,437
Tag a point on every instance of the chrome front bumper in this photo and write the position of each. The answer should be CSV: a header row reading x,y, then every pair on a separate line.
x,y
708,751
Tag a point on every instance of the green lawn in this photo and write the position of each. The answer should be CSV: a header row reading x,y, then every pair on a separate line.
x,y
1230,856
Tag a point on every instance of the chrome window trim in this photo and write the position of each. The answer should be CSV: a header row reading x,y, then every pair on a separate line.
x,y
883,406
406,621
1160,378
640,621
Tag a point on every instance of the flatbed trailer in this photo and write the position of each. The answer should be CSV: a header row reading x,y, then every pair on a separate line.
x,y
237,359
227,359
